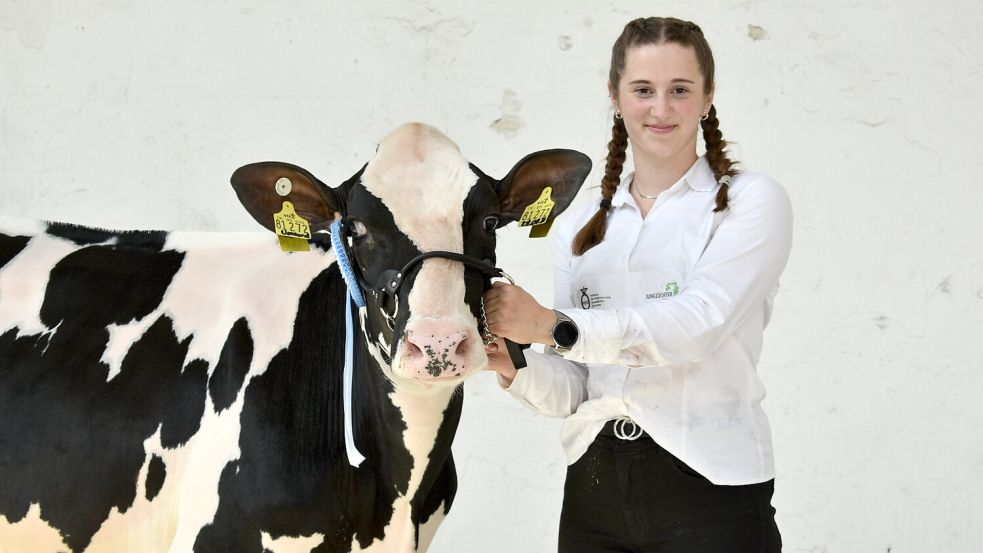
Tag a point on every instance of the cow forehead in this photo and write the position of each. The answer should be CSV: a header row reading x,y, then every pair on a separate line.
x,y
421,176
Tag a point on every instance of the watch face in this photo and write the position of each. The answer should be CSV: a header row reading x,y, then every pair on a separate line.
x,y
565,334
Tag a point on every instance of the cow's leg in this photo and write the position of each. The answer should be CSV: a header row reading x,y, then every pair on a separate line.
x,y
436,505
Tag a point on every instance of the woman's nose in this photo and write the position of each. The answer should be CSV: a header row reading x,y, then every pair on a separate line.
x,y
659,106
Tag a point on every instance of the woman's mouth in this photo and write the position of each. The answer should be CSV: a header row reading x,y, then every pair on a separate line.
x,y
660,129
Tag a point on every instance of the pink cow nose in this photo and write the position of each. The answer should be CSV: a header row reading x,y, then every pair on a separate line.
x,y
436,350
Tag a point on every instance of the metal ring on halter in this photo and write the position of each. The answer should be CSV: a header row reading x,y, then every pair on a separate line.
x,y
507,277
488,336
624,431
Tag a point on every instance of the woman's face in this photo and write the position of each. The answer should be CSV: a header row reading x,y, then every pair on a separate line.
x,y
661,99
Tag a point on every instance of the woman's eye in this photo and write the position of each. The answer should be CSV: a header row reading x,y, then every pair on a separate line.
x,y
490,223
680,90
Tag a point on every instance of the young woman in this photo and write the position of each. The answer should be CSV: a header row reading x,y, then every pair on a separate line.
x,y
663,290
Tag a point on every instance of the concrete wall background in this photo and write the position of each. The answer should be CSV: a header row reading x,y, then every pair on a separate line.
x,y
133,114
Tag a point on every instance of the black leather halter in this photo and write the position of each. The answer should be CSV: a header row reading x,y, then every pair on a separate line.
x,y
391,282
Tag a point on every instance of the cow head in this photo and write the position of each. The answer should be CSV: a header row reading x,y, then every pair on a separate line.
x,y
418,194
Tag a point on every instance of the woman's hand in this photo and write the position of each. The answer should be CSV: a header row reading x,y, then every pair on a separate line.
x,y
511,312
500,362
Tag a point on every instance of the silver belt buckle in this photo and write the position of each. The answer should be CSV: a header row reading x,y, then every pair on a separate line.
x,y
627,429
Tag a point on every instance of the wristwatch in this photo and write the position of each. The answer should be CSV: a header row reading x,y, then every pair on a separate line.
x,y
565,333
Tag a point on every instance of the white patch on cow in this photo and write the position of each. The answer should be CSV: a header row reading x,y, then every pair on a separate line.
x,y
145,526
215,287
428,528
206,456
423,414
291,544
421,176
188,499
219,283
31,534
121,337
23,280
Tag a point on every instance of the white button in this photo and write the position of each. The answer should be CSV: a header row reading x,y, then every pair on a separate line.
x,y
283,186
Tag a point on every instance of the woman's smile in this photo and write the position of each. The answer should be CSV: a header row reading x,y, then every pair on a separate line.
x,y
660,128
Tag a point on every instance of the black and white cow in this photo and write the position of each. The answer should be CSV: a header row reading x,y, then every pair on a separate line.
x,y
179,392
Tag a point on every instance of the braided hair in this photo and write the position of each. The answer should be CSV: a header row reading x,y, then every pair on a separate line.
x,y
639,32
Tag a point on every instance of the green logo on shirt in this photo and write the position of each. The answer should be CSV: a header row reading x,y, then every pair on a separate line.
x,y
671,289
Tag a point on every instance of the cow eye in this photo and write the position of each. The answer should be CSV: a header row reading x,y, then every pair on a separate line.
x,y
491,223
357,229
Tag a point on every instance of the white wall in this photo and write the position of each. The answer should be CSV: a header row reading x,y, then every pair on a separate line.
x,y
126,113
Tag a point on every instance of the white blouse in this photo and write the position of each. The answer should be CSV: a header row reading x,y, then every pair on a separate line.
x,y
671,310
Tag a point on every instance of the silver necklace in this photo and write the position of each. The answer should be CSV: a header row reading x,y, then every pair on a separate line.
x,y
646,196
642,194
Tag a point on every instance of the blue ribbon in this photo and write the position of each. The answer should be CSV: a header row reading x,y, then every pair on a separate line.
x,y
355,457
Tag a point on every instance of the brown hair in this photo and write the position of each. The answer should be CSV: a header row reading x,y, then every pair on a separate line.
x,y
639,32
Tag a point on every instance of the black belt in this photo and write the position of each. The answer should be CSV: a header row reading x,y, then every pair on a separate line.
x,y
624,429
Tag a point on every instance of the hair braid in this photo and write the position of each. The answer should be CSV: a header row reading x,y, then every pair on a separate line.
x,y
640,32
593,232
716,156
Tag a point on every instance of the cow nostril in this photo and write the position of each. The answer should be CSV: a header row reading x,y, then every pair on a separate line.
x,y
413,351
463,346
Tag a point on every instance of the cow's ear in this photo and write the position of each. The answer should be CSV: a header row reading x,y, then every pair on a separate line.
x,y
263,187
564,171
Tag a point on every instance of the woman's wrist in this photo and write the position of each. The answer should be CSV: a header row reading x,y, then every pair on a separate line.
x,y
546,321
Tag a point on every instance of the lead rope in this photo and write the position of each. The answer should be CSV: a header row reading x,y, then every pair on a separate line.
x,y
354,294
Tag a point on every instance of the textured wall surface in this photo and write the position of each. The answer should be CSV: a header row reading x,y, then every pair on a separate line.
x,y
133,114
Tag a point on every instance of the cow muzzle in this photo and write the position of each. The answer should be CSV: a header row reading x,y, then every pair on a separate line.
x,y
441,349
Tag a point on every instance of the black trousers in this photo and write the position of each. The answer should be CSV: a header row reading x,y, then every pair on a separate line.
x,y
635,497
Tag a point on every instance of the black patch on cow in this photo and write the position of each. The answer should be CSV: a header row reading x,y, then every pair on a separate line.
x,y
179,425
10,246
101,285
293,477
69,439
156,473
480,204
152,240
233,364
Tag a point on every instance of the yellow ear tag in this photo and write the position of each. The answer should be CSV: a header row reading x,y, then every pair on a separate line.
x,y
537,214
540,231
292,230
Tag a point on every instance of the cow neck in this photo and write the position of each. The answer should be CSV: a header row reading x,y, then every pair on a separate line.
x,y
420,424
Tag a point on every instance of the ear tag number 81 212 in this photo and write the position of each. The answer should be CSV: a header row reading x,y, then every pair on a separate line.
x,y
292,230
537,214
